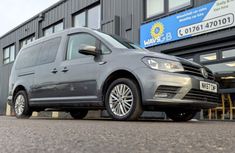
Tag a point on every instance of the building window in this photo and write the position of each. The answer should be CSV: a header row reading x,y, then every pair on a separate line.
x,y
94,17
27,41
48,31
158,7
58,27
80,20
208,57
89,18
54,28
154,7
176,5
9,54
228,53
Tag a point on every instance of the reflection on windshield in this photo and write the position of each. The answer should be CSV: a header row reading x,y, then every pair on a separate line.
x,y
118,42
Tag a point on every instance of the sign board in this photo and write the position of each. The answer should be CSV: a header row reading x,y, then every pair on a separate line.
x,y
211,17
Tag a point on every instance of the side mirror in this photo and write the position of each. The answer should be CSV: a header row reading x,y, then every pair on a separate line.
x,y
88,50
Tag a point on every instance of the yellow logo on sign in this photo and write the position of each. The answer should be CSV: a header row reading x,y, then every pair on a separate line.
x,y
157,30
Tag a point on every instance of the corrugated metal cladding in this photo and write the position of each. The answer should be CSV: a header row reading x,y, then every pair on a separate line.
x,y
122,17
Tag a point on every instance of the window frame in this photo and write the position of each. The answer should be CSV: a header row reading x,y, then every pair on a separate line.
x,y
40,44
79,13
53,27
88,15
101,53
227,58
31,38
62,23
219,54
181,8
166,10
97,44
36,60
207,53
57,51
86,10
154,16
9,57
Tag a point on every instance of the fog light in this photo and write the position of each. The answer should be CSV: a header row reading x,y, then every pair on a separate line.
x,y
162,95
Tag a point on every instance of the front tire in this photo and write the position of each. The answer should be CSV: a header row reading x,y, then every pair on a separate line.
x,y
123,100
79,114
21,105
181,116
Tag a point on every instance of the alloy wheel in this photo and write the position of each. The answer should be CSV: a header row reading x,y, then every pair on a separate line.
x,y
19,105
121,100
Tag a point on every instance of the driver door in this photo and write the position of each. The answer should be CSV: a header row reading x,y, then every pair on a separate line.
x,y
79,72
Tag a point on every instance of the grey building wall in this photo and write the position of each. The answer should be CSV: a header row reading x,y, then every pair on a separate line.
x,y
122,17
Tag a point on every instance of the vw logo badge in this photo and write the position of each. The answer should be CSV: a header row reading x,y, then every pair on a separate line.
x,y
204,73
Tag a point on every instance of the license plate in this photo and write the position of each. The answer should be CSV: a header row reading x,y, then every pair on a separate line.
x,y
206,86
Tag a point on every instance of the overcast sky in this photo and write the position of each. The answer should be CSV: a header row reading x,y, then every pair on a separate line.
x,y
15,12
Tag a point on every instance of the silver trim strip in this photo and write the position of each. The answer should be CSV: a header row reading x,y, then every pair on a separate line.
x,y
64,98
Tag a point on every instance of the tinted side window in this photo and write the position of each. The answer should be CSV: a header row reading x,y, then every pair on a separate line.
x,y
28,57
48,51
78,41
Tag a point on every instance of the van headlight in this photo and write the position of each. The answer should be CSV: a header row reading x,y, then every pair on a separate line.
x,y
163,64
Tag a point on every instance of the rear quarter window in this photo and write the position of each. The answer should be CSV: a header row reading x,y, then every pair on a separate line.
x,y
28,57
39,54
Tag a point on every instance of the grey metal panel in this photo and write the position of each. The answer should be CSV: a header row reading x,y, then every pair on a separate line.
x,y
130,13
52,16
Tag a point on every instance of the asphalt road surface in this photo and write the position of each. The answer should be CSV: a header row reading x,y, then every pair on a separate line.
x,y
106,136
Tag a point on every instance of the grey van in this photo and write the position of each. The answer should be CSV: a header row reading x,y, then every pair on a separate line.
x,y
80,69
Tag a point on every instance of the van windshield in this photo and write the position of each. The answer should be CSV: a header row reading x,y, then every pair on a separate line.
x,y
118,42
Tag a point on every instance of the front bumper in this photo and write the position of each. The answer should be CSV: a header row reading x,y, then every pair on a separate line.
x,y
188,94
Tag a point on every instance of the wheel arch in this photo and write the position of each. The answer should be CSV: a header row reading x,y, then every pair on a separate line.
x,y
120,74
17,89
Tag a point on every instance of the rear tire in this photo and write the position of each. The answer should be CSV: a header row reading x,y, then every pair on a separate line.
x,y
21,105
123,100
79,114
181,116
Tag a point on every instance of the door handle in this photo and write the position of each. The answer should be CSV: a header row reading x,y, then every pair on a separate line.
x,y
65,70
102,63
54,71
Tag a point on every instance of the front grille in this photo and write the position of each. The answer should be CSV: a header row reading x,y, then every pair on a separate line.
x,y
171,91
196,71
195,94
